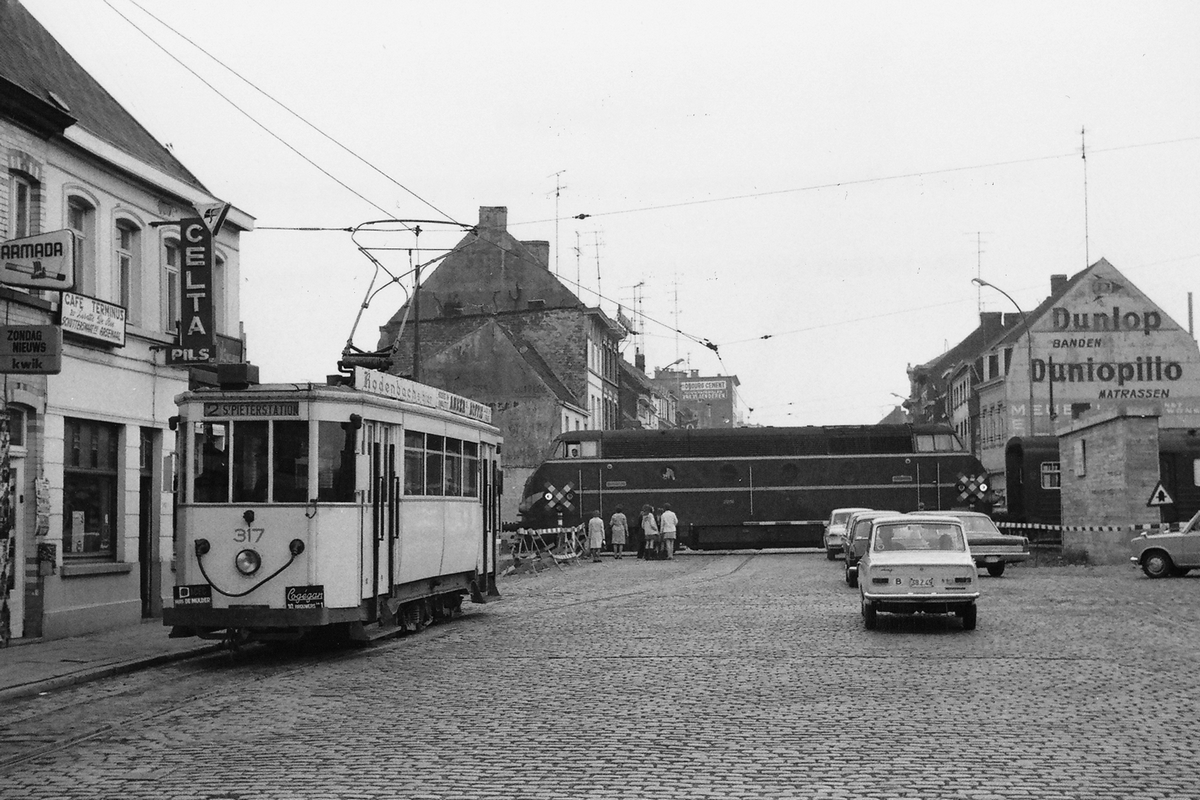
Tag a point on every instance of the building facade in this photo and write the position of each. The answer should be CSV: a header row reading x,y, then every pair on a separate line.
x,y
91,449
495,325
703,401
1096,345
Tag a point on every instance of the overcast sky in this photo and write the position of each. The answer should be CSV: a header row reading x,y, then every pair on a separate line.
x,y
817,173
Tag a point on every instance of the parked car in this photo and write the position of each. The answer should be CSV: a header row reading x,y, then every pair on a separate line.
x,y
858,528
835,531
1168,552
991,548
918,565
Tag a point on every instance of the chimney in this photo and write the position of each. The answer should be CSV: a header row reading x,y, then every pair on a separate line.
x,y
540,250
493,217
1057,284
991,318
639,361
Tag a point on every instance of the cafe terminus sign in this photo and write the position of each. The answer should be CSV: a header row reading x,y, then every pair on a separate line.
x,y
92,319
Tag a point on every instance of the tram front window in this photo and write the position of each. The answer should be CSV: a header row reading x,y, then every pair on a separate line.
x,y
212,463
290,465
250,462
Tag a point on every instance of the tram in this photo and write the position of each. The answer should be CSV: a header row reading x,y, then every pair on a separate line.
x,y
1032,473
307,507
753,487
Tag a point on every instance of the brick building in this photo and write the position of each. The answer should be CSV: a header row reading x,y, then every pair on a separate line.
x,y
495,325
704,401
91,449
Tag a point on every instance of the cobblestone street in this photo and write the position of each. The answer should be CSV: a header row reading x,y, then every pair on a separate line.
x,y
725,676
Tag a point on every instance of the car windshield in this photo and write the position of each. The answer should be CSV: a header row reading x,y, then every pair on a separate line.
x,y
919,536
979,525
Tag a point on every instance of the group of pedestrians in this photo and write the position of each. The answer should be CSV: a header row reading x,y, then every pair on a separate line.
x,y
658,529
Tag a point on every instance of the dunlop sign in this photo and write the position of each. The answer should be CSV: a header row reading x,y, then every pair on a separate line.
x,y
31,349
45,261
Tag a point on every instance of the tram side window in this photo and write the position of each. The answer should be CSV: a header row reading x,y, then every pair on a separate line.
x,y
212,462
250,461
335,462
290,468
435,464
454,467
1051,475
470,469
414,462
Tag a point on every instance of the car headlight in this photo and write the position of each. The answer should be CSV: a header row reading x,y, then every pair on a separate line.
x,y
247,562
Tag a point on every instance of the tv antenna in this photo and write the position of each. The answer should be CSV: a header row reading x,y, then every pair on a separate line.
x,y
558,187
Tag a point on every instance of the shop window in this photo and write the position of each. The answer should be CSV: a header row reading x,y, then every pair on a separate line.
x,y
210,444
90,524
290,463
335,462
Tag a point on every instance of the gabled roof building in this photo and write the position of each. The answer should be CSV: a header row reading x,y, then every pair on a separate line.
x,y
90,444
494,324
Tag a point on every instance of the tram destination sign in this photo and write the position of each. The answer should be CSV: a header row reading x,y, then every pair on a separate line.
x,y
252,408
385,385
31,349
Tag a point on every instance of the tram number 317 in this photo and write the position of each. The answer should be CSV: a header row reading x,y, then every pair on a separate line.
x,y
248,535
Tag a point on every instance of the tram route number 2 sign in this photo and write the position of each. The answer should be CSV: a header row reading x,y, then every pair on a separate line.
x,y
305,596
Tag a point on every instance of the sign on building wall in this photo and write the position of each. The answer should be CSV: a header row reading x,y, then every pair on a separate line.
x,y
45,261
704,390
93,319
197,337
1105,344
31,349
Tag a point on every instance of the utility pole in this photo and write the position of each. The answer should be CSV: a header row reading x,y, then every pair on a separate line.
x,y
558,187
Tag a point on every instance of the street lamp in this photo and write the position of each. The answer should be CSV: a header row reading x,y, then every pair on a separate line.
x,y
1028,342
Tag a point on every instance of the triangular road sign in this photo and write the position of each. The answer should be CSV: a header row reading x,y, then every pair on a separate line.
x,y
1159,496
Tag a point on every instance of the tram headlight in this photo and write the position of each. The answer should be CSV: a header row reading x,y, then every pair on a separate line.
x,y
202,547
247,562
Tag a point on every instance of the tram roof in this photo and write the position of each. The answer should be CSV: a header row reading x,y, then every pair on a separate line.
x,y
768,432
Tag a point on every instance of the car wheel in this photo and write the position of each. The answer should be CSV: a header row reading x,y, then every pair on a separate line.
x,y
870,617
996,570
1157,564
969,615
828,554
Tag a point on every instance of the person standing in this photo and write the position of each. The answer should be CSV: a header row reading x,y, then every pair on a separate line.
x,y
620,529
669,523
595,535
649,531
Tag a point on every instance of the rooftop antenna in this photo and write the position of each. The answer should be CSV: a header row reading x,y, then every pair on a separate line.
x,y
558,187
1087,258
675,312
597,242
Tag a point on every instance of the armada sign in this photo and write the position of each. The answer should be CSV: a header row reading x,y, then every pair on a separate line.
x,y
45,261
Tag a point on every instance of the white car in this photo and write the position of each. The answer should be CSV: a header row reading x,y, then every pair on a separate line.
x,y
834,538
918,565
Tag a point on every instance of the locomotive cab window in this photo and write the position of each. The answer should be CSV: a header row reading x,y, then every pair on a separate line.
x,y
938,443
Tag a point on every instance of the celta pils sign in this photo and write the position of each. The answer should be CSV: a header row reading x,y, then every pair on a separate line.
x,y
196,343
45,261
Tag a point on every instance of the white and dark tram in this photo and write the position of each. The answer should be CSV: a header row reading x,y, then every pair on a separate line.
x,y
311,507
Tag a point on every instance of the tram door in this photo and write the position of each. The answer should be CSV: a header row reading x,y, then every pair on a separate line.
x,y
383,498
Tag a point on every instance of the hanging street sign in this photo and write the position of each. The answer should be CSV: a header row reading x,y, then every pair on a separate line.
x,y
213,216
197,340
31,349
94,319
45,261
1159,497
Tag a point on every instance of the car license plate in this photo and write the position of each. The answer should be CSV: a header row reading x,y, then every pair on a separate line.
x,y
921,582
991,559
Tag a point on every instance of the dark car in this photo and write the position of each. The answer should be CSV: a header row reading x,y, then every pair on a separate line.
x,y
858,528
990,548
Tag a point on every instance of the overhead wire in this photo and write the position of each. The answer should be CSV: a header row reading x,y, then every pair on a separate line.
x,y
289,110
